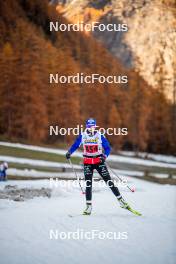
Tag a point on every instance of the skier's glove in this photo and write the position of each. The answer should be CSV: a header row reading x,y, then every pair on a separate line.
x,y
103,158
68,155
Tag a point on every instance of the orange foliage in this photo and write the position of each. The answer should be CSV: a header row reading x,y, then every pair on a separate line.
x,y
29,104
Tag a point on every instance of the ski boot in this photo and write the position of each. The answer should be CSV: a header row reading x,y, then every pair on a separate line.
x,y
123,203
88,210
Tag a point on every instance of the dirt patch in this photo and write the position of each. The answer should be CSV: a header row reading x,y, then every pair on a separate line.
x,y
13,192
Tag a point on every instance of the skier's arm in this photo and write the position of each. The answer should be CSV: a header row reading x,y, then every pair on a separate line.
x,y
76,144
106,146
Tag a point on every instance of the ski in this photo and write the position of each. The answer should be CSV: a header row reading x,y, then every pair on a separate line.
x,y
133,211
74,215
86,213
78,215
71,216
128,208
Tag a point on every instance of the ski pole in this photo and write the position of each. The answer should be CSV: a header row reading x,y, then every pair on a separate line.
x,y
76,176
131,189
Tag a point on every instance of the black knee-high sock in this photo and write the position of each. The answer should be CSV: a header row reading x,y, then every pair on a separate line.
x,y
103,171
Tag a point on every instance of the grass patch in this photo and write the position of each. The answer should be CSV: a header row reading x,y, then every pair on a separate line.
x,y
32,154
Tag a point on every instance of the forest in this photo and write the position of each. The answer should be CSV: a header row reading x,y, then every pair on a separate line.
x,y
29,104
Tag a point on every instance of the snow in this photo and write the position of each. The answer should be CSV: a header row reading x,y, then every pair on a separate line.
x,y
25,226
34,162
42,174
69,175
138,161
156,157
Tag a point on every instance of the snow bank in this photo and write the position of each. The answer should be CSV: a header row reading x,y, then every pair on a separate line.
x,y
64,175
41,174
138,161
155,157
34,162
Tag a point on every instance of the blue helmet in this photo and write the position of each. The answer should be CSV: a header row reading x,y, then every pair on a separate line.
x,y
91,123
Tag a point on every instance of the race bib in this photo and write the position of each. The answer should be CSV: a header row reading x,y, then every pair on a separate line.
x,y
91,149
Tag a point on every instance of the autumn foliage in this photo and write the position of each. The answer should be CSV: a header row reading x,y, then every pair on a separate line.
x,y
29,52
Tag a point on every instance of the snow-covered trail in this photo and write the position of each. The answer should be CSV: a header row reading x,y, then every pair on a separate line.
x,y
25,227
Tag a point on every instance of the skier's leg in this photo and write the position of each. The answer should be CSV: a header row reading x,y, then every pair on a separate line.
x,y
103,171
88,173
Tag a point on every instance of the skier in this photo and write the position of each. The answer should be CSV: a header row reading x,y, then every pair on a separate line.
x,y
94,158
3,173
